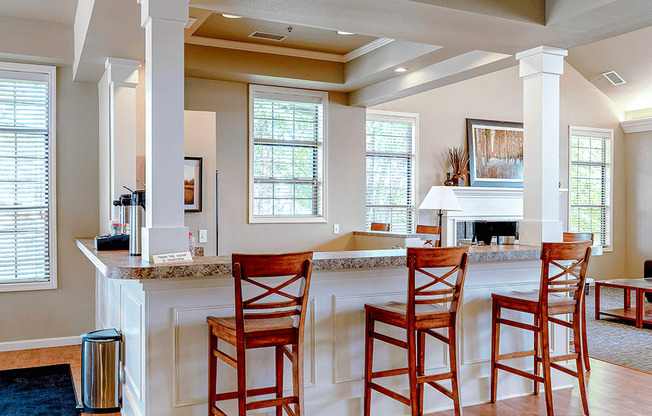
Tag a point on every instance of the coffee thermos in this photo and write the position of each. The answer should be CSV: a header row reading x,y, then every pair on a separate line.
x,y
136,221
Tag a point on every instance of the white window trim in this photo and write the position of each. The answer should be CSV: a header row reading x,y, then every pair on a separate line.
x,y
51,72
610,134
323,95
400,116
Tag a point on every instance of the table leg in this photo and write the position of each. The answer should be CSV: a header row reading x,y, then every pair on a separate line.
x,y
597,300
628,299
640,308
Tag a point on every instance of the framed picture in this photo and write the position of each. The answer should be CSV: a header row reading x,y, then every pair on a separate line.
x,y
192,184
495,153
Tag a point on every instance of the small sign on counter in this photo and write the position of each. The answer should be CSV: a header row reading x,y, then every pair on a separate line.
x,y
172,257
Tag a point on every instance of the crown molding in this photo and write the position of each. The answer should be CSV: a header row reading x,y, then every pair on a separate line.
x,y
282,50
637,125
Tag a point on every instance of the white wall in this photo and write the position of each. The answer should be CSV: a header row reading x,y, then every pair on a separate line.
x,y
499,96
346,174
68,310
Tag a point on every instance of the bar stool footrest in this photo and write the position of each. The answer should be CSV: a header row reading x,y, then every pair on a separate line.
x,y
387,392
518,372
281,401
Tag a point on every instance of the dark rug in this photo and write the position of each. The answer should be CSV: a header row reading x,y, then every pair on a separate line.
x,y
614,340
38,391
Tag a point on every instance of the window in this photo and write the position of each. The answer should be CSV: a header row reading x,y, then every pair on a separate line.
x,y
287,132
391,169
27,194
590,183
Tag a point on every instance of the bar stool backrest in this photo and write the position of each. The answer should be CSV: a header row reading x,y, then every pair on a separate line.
x,y
446,288
379,226
574,237
567,278
275,301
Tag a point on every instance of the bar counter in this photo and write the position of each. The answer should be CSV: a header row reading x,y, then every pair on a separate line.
x,y
161,311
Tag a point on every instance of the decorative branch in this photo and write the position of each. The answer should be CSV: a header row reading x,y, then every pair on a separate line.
x,y
459,160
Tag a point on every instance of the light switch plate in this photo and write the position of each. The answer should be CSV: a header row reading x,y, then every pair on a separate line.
x,y
336,229
203,236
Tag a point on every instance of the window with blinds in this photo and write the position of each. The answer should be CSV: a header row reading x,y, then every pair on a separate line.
x,y
286,139
27,218
590,183
391,165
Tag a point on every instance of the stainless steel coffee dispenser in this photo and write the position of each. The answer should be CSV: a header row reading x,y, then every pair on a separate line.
x,y
136,221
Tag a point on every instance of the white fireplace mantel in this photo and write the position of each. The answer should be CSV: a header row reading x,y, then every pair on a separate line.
x,y
479,203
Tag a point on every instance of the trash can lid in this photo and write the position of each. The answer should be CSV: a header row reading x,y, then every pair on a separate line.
x,y
103,335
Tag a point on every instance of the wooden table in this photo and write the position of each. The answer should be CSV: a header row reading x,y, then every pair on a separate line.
x,y
640,313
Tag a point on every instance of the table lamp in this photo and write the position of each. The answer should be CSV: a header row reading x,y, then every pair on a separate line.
x,y
441,198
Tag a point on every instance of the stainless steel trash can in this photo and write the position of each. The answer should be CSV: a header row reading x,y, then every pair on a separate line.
x,y
100,367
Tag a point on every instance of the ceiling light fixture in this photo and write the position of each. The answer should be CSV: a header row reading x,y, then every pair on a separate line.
x,y
343,33
401,69
231,16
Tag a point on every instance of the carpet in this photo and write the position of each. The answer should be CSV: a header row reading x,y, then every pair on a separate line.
x,y
614,340
38,391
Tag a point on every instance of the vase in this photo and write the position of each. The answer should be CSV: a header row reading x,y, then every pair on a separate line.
x,y
458,180
449,180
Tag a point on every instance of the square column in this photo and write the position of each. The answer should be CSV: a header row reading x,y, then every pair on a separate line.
x,y
540,69
163,21
117,96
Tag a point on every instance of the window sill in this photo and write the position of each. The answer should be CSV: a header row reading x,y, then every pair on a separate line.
x,y
28,286
286,220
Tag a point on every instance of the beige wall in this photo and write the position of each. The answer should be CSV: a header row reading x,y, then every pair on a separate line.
x,y
639,201
68,310
345,170
499,96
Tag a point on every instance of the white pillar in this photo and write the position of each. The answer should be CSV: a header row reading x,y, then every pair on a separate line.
x,y
164,22
117,95
540,69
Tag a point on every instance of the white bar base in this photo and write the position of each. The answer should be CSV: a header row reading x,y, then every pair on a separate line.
x,y
534,232
164,241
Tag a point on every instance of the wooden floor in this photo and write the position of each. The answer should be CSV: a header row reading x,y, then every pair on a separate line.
x,y
47,356
613,390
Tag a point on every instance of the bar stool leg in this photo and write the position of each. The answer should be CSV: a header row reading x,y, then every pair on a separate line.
x,y
279,378
580,358
495,347
537,353
455,387
297,361
412,371
212,371
421,368
585,348
547,381
242,381
369,361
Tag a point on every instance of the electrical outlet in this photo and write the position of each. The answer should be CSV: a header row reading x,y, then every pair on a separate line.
x,y
203,236
336,229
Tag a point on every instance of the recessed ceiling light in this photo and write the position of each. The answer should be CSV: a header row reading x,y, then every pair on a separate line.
x,y
401,69
231,16
343,33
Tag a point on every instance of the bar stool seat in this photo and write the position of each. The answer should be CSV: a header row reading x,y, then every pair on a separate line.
x,y
397,312
255,330
557,303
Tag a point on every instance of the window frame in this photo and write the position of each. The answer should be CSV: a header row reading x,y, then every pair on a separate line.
x,y
51,72
323,96
399,116
608,134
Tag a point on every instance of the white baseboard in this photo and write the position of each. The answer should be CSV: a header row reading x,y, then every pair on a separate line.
x,y
30,344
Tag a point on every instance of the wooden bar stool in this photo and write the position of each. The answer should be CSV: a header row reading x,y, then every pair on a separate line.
x,y
423,312
550,300
379,226
575,237
274,318
430,229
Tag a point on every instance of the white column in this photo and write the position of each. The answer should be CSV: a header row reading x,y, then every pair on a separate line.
x,y
164,22
117,95
540,69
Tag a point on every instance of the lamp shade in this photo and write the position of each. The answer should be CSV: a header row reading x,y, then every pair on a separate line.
x,y
441,198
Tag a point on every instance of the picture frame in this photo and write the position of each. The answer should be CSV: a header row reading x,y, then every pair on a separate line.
x,y
192,184
495,153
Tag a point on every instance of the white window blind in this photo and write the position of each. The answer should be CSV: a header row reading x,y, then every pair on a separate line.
x,y
26,175
590,183
287,154
391,164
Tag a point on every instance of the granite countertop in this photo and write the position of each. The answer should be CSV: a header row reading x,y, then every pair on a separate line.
x,y
120,265
397,235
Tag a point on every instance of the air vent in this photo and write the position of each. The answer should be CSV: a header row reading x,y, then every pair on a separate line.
x,y
267,36
614,78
